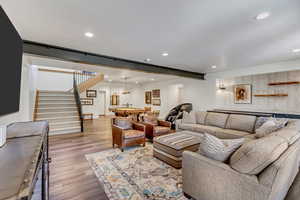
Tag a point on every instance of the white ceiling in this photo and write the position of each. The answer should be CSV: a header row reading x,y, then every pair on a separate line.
x,y
196,33
115,75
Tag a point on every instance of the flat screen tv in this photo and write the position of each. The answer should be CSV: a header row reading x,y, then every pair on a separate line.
x,y
11,51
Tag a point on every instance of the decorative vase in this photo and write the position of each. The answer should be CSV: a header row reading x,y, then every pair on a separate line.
x,y
2,135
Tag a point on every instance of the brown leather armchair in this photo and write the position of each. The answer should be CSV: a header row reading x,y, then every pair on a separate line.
x,y
123,137
157,129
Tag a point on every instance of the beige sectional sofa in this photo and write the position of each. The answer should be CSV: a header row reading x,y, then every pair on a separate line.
x,y
261,169
224,126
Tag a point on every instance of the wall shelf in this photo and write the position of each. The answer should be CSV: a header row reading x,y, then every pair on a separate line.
x,y
284,83
271,95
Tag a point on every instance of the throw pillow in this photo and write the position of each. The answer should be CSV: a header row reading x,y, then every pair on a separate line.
x,y
260,121
189,118
151,119
270,126
217,149
124,124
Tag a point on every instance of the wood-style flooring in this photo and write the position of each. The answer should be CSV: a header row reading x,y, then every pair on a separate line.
x,y
71,177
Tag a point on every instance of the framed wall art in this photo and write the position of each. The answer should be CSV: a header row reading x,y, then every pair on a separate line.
x,y
156,93
114,100
148,97
156,102
242,94
87,101
91,93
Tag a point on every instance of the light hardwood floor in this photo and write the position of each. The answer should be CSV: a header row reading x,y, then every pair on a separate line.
x,y
71,177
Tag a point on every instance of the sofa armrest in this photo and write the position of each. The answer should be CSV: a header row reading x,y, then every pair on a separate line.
x,y
138,126
164,123
204,178
117,132
148,129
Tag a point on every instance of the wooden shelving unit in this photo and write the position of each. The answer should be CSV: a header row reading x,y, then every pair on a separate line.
x,y
271,95
284,83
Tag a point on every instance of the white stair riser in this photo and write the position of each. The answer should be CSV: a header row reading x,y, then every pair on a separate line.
x,y
57,105
56,94
53,115
71,101
48,110
75,130
64,125
69,119
56,97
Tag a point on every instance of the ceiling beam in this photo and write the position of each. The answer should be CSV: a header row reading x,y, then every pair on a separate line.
x,y
72,55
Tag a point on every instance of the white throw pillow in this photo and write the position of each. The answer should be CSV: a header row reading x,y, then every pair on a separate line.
x,y
189,118
265,129
217,149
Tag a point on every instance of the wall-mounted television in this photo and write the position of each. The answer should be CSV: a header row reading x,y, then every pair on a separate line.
x,y
11,51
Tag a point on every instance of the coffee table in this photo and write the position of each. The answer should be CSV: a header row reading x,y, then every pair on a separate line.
x,y
169,148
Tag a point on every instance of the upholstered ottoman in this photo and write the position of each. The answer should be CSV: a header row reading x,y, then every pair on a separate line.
x,y
169,148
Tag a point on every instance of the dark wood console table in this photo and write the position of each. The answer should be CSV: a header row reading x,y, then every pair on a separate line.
x,y
24,170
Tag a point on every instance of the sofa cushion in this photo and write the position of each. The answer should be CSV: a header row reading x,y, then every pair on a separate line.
x,y
123,123
189,127
161,129
254,156
217,149
241,122
129,134
230,133
200,117
205,129
189,118
216,119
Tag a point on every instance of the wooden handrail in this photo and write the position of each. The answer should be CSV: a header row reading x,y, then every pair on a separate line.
x,y
64,72
37,94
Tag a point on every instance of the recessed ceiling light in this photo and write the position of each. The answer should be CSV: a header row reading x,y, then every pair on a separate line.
x,y
296,50
123,76
137,82
89,34
147,60
110,80
165,54
263,15
214,66
152,79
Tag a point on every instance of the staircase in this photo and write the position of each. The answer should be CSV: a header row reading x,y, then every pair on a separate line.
x,y
60,110
85,81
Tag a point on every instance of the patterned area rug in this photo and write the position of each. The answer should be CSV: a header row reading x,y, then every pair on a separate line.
x,y
135,175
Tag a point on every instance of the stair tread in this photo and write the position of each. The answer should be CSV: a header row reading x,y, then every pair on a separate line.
x,y
65,128
56,108
57,99
65,122
62,117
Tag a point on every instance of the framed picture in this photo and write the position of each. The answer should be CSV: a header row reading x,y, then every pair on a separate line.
x,y
87,101
156,102
91,93
148,96
114,100
242,94
156,93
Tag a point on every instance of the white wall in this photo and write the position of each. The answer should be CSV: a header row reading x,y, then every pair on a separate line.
x,y
182,90
259,77
109,89
54,81
27,95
